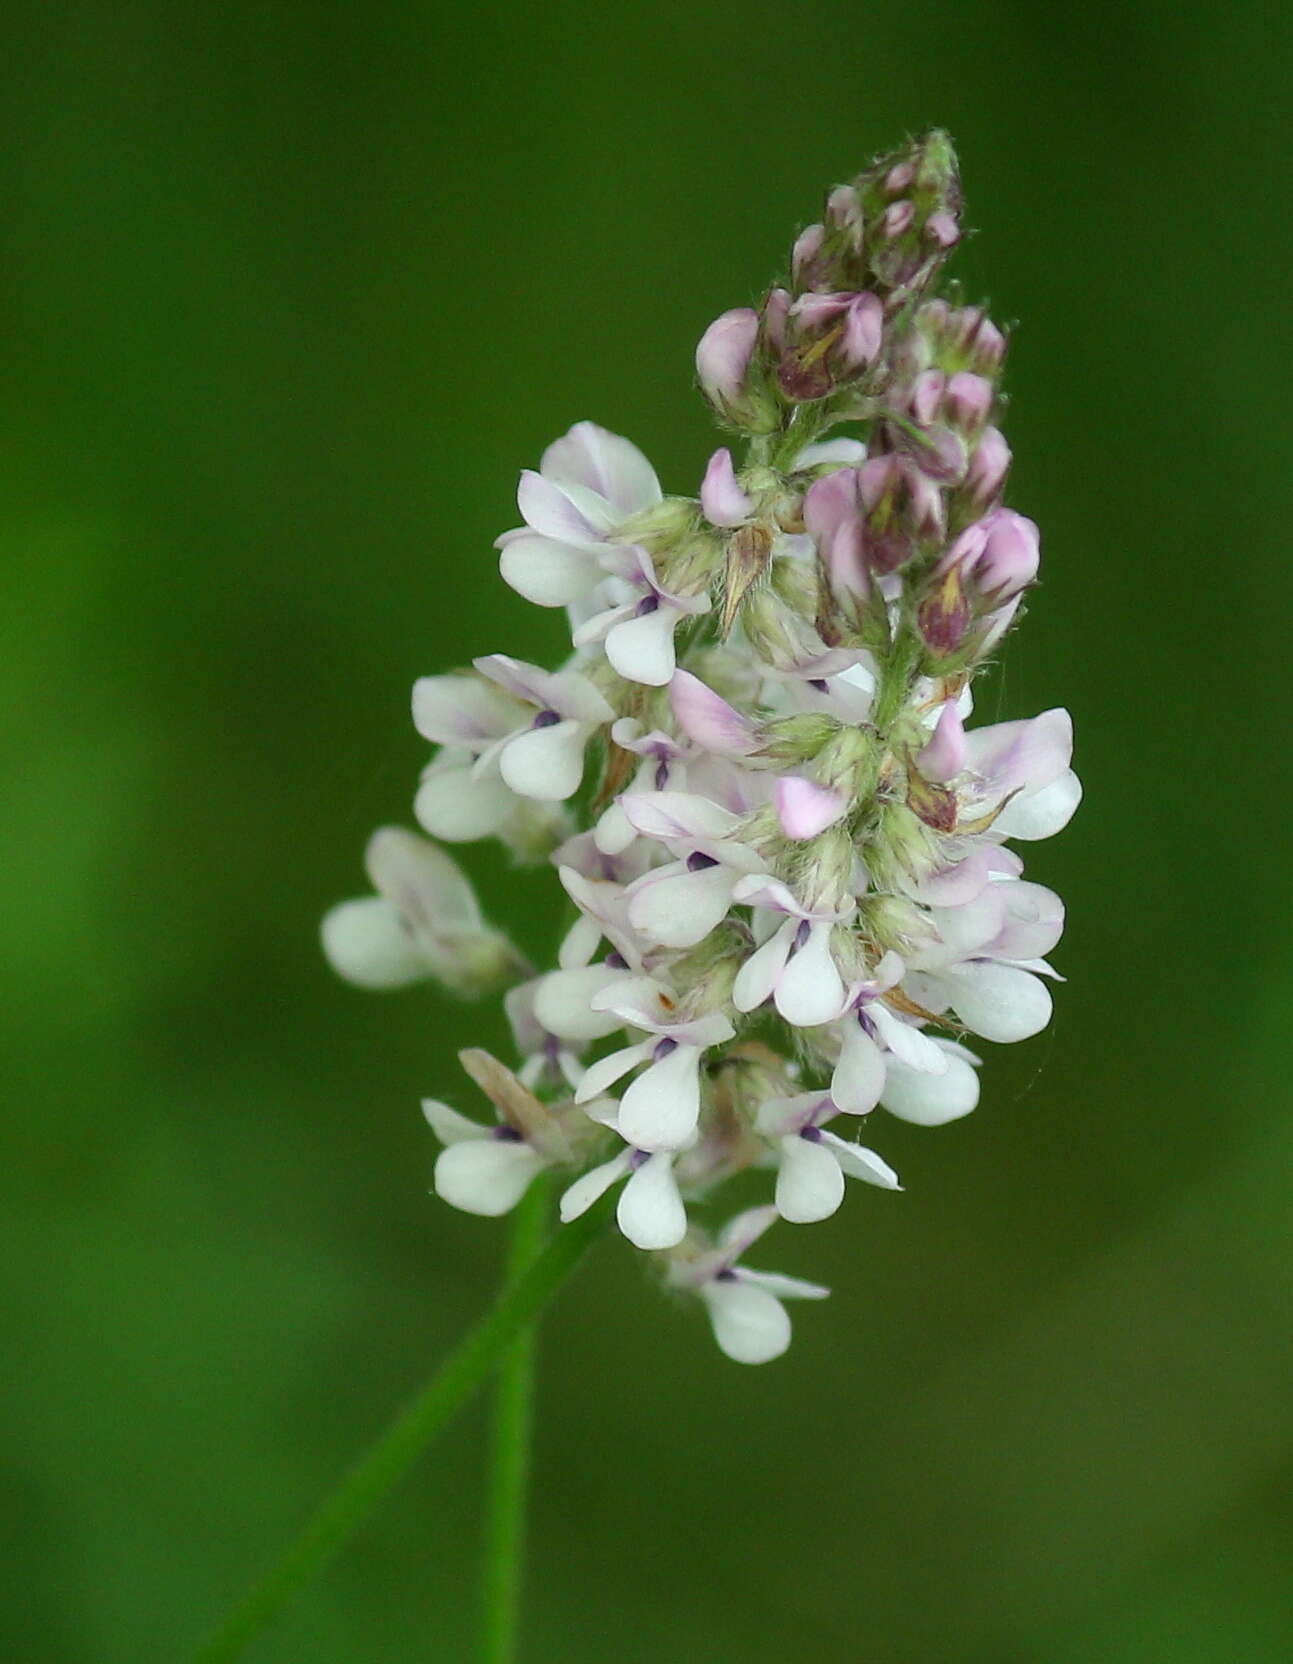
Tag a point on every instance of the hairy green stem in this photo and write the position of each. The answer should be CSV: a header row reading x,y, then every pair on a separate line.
x,y
385,1462
510,1452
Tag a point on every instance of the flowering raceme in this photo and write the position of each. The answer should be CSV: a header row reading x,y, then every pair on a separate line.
x,y
788,854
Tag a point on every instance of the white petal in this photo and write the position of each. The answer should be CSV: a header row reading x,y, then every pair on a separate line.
x,y
614,831
811,990
1000,1002
680,910
679,816
1034,920
745,1228
607,1070
859,1075
569,515
779,1117
562,1003
486,1176
641,648
580,942
546,763
708,719
603,462
546,571
785,1288
589,1186
757,978
1041,814
462,710
650,1211
453,805
750,1325
1028,754
660,1109
931,1100
448,1125
860,1163
848,452
425,883
367,942
810,1185
917,1050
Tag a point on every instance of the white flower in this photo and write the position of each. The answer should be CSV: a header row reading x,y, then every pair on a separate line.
x,y
650,1211
534,740
660,1109
678,904
589,482
483,1170
813,1162
636,630
744,1306
423,922
794,966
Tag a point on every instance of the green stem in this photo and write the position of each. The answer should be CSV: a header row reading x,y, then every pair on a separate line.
x,y
378,1469
510,1456
896,675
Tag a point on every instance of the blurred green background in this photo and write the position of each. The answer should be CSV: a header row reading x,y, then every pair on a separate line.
x,y
288,295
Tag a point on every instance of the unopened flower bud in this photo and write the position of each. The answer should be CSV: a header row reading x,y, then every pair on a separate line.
x,y
829,339
902,508
986,471
423,923
912,201
959,338
1008,555
943,615
730,376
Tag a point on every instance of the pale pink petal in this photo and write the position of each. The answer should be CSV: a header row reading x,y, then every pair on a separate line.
x,y
603,462
708,720
721,498
804,808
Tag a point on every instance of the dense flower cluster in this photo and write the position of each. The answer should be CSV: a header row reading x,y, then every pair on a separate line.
x,y
787,856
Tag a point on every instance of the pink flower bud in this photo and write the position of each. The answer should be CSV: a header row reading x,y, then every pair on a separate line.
x,y
942,231
926,400
899,178
1010,558
989,465
721,498
805,265
902,507
968,402
828,339
776,309
723,354
943,616
844,210
831,517
897,218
